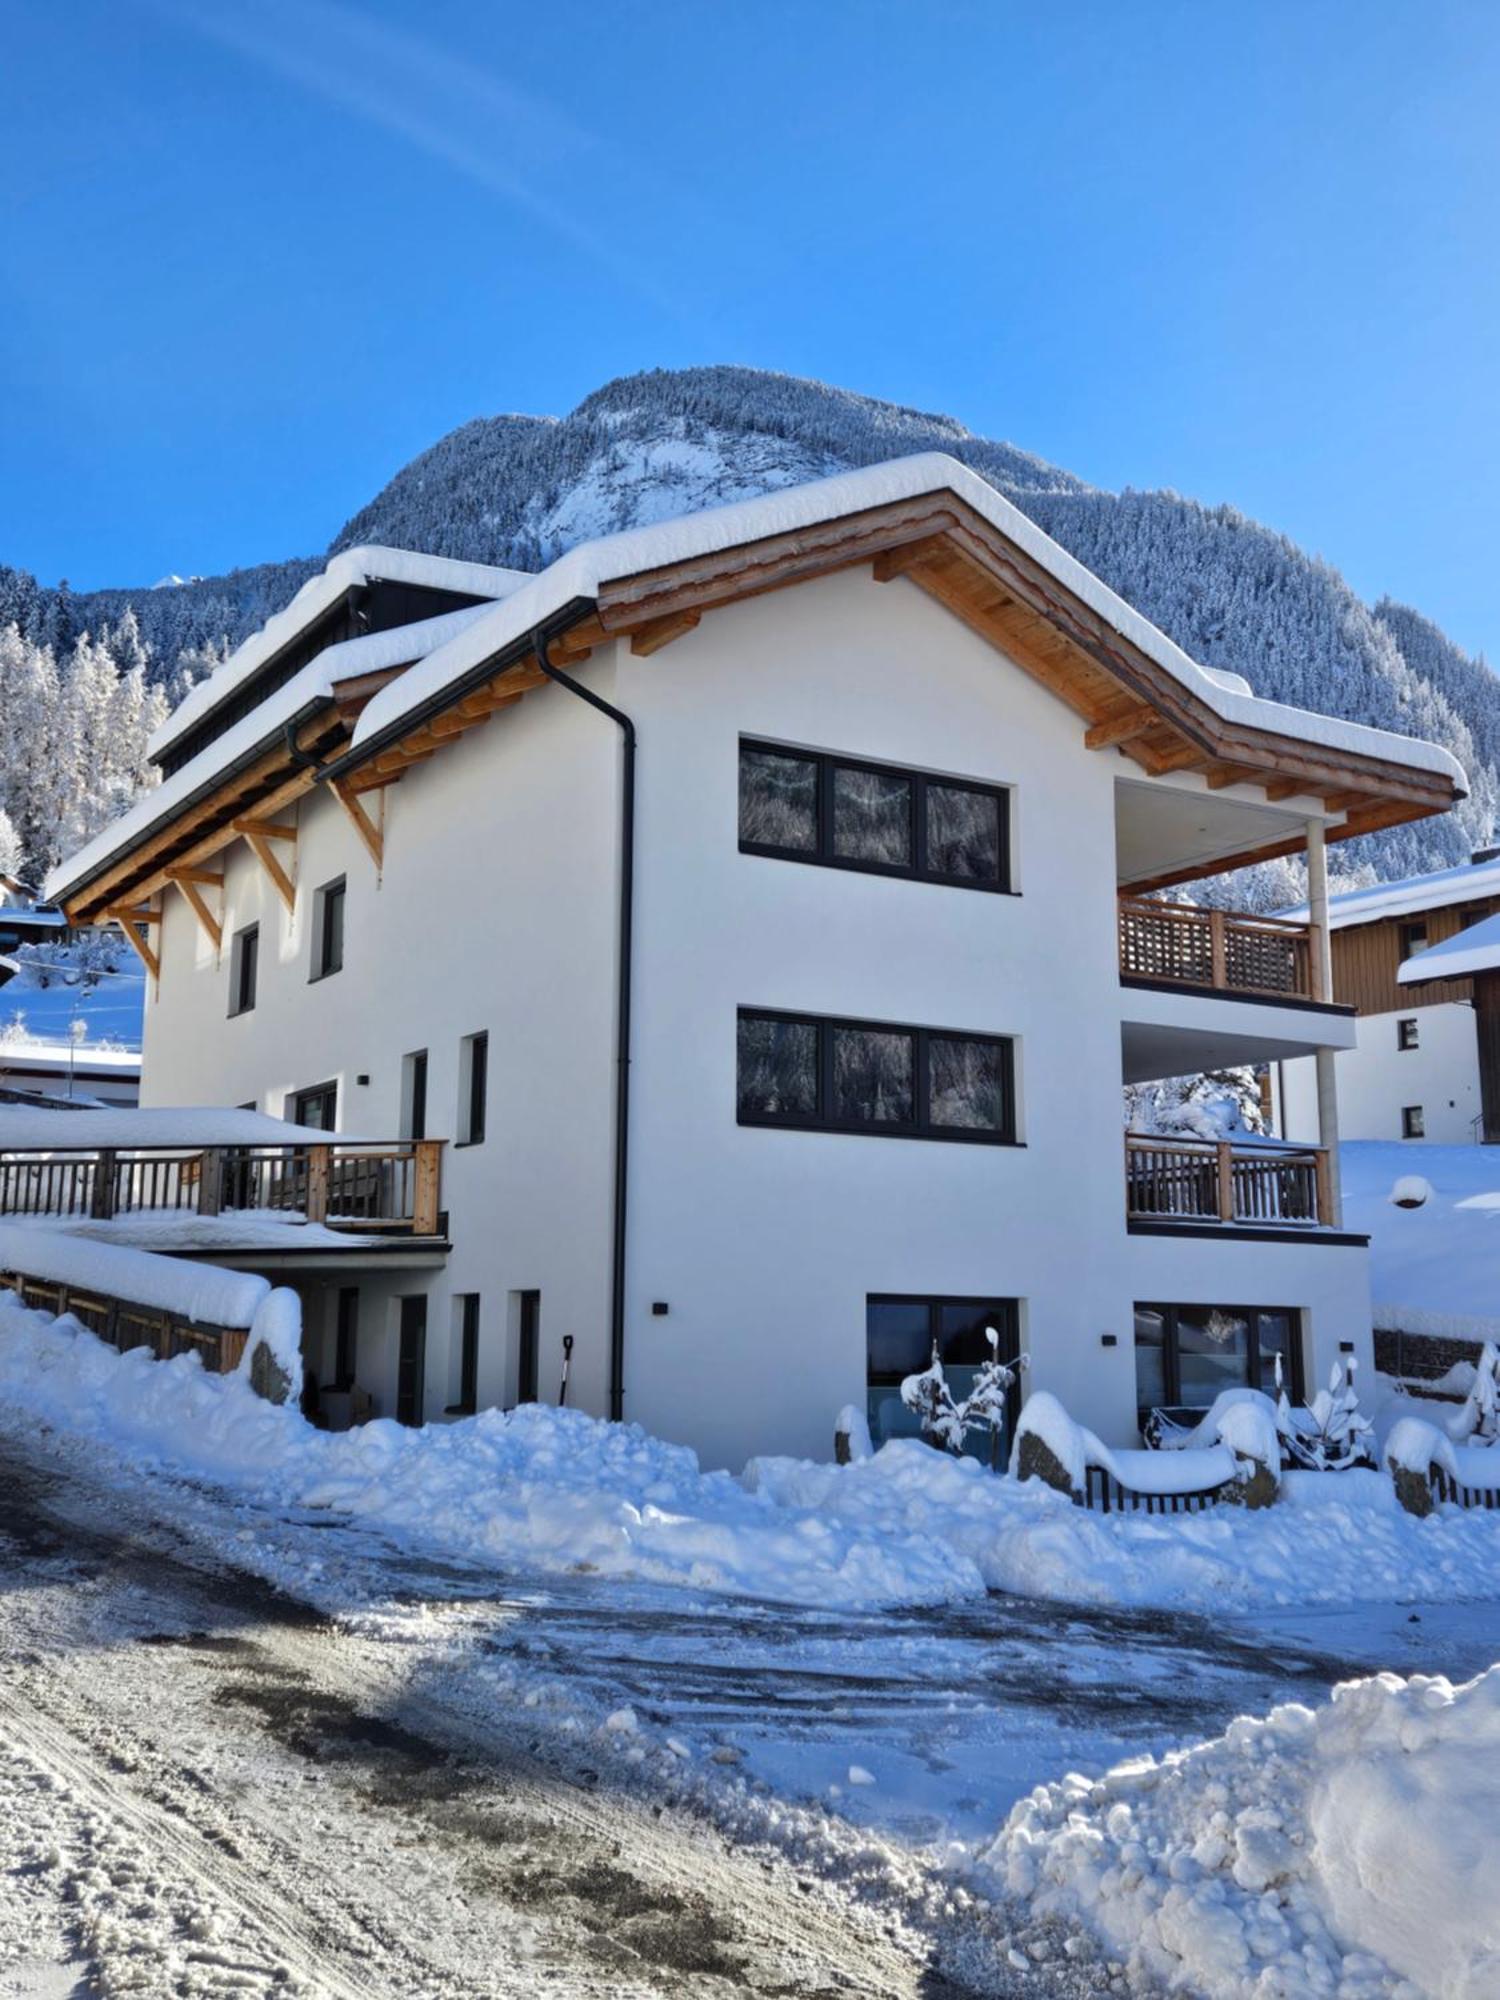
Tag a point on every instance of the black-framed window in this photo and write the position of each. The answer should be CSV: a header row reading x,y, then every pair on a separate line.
x,y
1413,1122
901,1330
819,1074
473,1068
244,964
318,1105
844,812
1186,1355
414,1094
528,1345
328,929
1413,938
1406,1033
468,1356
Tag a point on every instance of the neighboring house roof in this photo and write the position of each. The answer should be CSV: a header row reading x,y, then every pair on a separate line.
x,y
346,572
927,519
53,1056
1476,949
1470,883
154,1128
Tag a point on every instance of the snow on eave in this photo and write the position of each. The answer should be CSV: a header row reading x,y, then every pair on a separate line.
x,y
1475,950
1466,883
348,571
265,722
586,569
81,1061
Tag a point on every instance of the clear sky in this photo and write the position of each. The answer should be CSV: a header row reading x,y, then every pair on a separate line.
x,y
254,254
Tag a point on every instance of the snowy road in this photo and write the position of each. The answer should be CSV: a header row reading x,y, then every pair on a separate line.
x,y
251,1753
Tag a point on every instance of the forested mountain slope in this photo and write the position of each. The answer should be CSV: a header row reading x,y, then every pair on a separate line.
x,y
519,490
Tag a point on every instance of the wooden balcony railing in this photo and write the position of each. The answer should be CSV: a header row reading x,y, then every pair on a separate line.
x,y
366,1188
1198,1180
1213,948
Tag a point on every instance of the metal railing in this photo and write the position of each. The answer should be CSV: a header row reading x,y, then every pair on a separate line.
x,y
1199,1180
360,1187
1223,951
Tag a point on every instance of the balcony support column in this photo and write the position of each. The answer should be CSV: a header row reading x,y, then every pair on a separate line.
x,y
1322,984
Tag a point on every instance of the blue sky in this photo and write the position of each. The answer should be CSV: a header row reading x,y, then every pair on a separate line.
x,y
256,255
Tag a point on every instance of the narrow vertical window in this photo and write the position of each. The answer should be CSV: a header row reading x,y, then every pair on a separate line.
x,y
474,1086
1406,1034
414,1095
243,967
1413,1122
528,1345
328,929
411,1360
346,1349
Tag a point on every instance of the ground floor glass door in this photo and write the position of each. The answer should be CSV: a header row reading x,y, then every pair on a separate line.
x,y
411,1361
900,1333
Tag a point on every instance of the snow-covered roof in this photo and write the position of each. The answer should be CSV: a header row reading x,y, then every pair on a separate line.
x,y
521,602
1470,883
32,1055
1475,950
349,571
584,571
306,689
155,1128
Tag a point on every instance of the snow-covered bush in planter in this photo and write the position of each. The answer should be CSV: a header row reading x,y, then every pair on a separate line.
x,y
1331,1433
945,1421
1478,1422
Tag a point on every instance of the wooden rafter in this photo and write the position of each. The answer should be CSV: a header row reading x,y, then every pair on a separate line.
x,y
1138,720
369,831
129,922
188,880
648,639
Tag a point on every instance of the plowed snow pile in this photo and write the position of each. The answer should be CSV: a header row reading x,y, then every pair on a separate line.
x,y
556,1490
1351,1850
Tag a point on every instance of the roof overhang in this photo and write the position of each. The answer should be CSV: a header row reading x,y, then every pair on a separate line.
x,y
1137,697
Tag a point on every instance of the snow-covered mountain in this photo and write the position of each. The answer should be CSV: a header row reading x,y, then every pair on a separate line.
x,y
519,490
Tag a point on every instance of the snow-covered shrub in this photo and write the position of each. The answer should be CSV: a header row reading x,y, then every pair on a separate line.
x,y
947,1422
1330,1433
930,1400
1478,1422
1411,1191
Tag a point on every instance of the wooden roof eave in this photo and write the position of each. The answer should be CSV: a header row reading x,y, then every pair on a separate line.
x,y
201,828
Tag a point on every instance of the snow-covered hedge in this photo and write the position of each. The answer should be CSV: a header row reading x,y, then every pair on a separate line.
x,y
1236,1436
203,1293
1338,1850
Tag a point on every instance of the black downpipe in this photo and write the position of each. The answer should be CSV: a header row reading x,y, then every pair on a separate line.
x,y
622,1011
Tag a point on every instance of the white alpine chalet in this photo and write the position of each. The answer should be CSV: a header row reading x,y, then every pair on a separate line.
x,y
745,929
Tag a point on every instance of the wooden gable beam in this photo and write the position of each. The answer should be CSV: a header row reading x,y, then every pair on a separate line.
x,y
650,638
187,880
281,882
369,832
267,829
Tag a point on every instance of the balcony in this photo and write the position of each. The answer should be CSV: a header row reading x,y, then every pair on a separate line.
x,y
1214,1182
368,1189
1215,951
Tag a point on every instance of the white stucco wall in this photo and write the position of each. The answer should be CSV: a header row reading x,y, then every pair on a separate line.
x,y
496,911
1376,1078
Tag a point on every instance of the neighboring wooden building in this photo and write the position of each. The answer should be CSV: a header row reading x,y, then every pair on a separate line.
x,y
1426,1064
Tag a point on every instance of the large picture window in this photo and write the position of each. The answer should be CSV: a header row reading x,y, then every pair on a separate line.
x,y
1185,1355
901,1331
804,805
822,1075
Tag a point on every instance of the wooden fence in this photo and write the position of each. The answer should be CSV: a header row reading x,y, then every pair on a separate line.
x,y
1202,1180
1104,1491
1235,954
125,1324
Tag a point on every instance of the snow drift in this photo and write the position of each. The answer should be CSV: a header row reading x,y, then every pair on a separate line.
x,y
1342,1849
